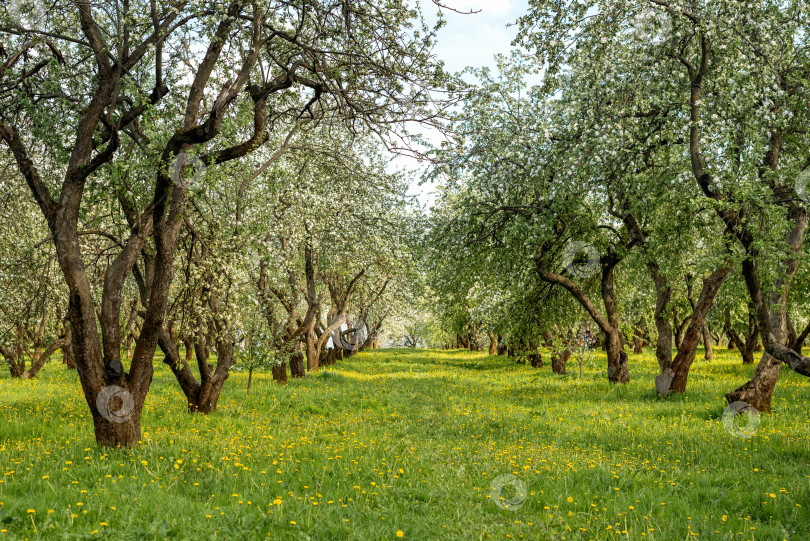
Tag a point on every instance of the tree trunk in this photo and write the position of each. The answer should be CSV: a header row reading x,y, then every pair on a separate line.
x,y
618,369
15,355
67,351
707,343
758,391
796,342
15,367
639,334
250,379
112,433
772,320
501,345
663,345
679,371
209,396
280,373
202,396
312,349
747,355
559,360
40,359
706,336
746,347
188,345
493,343
297,365
536,359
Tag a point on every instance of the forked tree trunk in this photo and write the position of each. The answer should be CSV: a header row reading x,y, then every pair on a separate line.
x,y
40,358
640,336
758,391
745,347
794,341
95,325
678,327
675,377
618,370
771,314
747,355
706,335
212,382
208,398
15,355
203,396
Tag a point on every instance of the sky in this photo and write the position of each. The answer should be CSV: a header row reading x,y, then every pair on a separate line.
x,y
468,40
473,40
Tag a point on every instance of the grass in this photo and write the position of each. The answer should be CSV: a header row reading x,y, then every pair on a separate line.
x,y
408,442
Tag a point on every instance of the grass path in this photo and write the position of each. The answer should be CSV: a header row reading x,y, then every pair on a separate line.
x,y
407,443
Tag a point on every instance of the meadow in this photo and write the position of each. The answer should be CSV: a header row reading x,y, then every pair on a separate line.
x,y
407,444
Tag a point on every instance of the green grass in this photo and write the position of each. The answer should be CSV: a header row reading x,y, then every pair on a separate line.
x,y
410,441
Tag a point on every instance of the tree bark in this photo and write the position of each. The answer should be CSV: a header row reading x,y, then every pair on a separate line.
x,y
114,434
674,378
280,373
796,342
493,343
618,369
706,336
67,350
745,347
313,355
297,365
41,358
559,361
663,294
